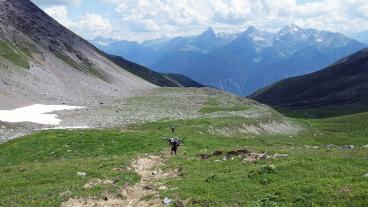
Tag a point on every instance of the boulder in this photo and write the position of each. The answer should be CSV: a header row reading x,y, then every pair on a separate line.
x,y
166,201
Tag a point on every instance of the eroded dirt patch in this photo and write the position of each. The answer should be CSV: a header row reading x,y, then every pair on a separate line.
x,y
131,196
244,154
96,182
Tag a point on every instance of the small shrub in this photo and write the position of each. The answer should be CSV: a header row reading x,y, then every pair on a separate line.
x,y
268,169
270,200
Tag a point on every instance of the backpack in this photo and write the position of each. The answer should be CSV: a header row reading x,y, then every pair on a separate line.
x,y
178,142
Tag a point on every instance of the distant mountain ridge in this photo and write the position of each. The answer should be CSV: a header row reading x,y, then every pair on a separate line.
x,y
361,36
343,83
159,79
243,62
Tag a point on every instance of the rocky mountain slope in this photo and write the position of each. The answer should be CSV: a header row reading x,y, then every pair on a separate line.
x,y
240,63
343,83
43,62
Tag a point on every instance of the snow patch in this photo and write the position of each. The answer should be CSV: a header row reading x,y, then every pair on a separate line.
x,y
257,38
36,113
319,40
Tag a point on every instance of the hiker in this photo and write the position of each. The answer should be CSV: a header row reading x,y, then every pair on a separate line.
x,y
175,143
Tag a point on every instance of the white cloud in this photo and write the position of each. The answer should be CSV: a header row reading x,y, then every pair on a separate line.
x,y
145,19
60,13
89,25
95,25
153,18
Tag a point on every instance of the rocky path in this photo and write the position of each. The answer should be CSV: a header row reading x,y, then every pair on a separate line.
x,y
143,194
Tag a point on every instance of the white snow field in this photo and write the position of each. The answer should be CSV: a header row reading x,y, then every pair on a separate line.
x,y
37,113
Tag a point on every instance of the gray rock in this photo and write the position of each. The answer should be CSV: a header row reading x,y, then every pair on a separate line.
x,y
82,174
330,146
263,156
365,146
166,201
347,147
365,175
280,155
311,147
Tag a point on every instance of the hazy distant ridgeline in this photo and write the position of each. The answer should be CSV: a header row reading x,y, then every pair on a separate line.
x,y
241,63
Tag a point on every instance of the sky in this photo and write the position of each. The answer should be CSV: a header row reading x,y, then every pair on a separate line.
x,y
141,20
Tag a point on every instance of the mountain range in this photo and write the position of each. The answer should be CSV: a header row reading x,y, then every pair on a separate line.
x,y
361,36
42,61
241,62
343,83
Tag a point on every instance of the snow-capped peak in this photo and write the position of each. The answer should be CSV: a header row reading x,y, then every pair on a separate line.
x,y
228,37
292,29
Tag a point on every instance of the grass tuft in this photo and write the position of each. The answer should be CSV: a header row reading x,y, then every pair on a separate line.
x,y
14,54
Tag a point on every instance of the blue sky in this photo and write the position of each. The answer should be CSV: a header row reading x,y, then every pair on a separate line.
x,y
148,19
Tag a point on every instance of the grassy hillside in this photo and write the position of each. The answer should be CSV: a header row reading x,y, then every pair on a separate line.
x,y
13,54
343,83
38,169
41,169
312,174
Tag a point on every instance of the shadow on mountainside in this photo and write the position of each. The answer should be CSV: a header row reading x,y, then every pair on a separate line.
x,y
322,111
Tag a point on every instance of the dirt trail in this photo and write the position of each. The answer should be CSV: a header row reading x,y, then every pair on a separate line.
x,y
133,196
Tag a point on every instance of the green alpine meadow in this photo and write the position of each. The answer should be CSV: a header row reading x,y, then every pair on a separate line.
x,y
206,103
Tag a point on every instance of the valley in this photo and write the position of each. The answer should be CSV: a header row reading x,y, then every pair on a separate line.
x,y
83,128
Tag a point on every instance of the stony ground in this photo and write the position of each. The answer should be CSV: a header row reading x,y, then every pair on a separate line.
x,y
147,167
154,105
